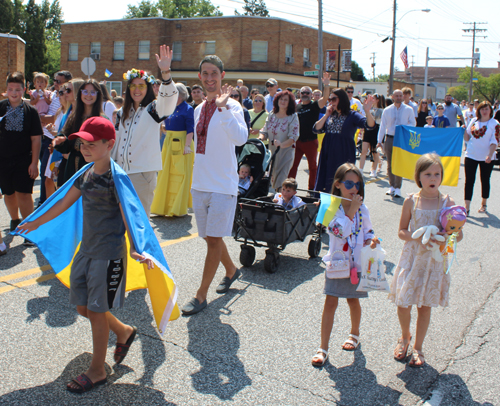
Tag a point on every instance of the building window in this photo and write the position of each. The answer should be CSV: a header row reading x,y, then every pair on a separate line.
x,y
306,54
259,51
114,86
143,50
95,47
209,47
288,51
73,52
177,48
119,51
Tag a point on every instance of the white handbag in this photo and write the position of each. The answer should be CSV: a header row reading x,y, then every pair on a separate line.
x,y
338,268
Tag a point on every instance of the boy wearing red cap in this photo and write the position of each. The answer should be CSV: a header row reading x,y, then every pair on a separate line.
x,y
98,277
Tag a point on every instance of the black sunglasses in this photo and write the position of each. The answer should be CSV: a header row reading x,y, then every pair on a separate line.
x,y
269,85
350,91
305,92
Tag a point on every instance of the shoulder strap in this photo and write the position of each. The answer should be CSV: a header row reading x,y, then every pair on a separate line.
x,y
256,118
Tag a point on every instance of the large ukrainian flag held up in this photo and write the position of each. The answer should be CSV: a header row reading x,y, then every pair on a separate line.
x,y
410,143
59,241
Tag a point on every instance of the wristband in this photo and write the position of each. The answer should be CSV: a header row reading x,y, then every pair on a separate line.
x,y
166,82
166,71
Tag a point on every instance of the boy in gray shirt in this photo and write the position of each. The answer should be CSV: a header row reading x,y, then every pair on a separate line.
x,y
98,272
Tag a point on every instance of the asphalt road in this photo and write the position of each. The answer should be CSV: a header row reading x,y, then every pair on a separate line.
x,y
253,346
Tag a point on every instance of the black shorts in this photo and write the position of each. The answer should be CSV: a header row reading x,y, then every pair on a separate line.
x,y
14,175
370,136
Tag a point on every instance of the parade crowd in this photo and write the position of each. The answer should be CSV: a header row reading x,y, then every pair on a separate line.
x,y
178,145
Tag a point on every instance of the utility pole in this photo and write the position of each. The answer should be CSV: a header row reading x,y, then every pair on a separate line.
x,y
411,72
373,64
473,48
393,49
320,44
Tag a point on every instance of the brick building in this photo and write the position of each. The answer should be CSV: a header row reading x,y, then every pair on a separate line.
x,y
252,48
11,56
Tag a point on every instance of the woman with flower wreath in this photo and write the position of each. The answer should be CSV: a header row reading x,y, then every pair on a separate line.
x,y
138,126
482,138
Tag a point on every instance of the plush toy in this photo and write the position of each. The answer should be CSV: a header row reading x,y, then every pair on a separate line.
x,y
428,232
452,220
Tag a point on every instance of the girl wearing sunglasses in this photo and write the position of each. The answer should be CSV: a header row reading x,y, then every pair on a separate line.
x,y
86,103
349,231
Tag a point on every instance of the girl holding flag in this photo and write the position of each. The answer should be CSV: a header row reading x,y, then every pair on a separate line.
x,y
349,231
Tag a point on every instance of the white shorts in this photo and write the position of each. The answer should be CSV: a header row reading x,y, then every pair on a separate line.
x,y
214,213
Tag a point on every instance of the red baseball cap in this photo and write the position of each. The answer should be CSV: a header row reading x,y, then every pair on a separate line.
x,y
95,129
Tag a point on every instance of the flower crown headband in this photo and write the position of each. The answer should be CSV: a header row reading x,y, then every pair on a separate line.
x,y
136,73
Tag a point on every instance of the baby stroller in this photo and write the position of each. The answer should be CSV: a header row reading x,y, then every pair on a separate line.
x,y
255,154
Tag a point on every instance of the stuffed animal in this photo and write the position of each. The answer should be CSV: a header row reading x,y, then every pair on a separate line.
x,y
428,232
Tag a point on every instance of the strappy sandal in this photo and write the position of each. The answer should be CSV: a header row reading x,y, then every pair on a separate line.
x,y
350,341
85,384
401,350
319,360
482,209
415,357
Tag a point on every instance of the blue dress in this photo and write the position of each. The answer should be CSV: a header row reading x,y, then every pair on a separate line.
x,y
338,146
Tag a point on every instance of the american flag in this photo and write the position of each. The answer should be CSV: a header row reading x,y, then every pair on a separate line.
x,y
404,57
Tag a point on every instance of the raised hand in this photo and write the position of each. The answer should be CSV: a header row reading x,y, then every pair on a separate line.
x,y
165,58
223,97
369,102
326,79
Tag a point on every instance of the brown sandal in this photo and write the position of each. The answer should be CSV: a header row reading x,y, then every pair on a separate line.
x,y
417,356
401,350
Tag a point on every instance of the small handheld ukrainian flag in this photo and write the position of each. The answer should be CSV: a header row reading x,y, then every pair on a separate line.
x,y
329,204
107,73
410,143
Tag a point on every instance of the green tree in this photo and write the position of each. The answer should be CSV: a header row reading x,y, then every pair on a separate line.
x,y
488,87
459,92
35,40
146,8
254,8
173,9
382,78
357,73
6,16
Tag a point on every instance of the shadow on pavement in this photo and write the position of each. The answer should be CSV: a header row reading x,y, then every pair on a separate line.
x,y
55,393
420,380
292,272
215,345
479,220
136,312
171,228
357,385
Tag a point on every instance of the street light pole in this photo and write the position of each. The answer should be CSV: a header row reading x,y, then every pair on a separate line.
x,y
391,75
320,44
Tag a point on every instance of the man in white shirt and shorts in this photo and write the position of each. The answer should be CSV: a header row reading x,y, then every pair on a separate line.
x,y
219,127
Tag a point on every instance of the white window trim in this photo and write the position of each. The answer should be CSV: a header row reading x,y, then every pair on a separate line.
x,y
144,58
254,54
207,50
73,56
114,51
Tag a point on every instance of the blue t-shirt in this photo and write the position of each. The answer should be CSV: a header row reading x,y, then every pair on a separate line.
x,y
441,122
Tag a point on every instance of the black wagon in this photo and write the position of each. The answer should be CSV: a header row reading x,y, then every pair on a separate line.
x,y
262,223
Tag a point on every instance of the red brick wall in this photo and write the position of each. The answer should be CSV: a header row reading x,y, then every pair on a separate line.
x,y
16,54
233,38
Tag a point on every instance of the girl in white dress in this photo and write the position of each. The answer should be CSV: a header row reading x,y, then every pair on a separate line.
x,y
419,279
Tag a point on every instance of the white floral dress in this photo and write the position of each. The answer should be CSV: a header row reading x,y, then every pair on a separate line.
x,y
419,279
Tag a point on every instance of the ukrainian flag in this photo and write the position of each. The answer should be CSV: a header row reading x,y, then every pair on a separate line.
x,y
410,143
107,73
59,241
329,204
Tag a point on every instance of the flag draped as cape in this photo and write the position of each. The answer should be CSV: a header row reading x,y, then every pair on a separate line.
x,y
59,241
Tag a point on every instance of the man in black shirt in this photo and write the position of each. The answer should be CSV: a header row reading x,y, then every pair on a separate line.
x,y
20,142
307,144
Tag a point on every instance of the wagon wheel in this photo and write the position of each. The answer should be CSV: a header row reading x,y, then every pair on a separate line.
x,y
247,255
314,247
271,262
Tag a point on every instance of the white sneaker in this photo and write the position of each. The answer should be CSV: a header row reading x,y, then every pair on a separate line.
x,y
390,192
373,174
397,193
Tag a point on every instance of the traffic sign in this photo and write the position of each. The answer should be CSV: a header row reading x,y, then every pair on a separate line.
x,y
88,66
311,73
